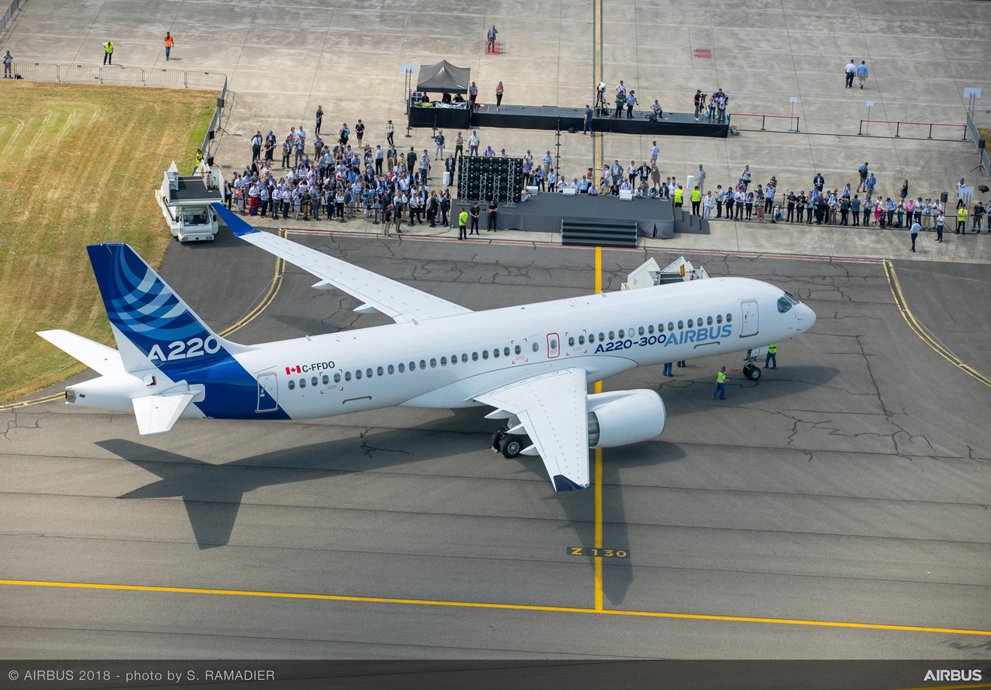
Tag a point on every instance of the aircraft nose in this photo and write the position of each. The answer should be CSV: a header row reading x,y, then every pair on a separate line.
x,y
807,318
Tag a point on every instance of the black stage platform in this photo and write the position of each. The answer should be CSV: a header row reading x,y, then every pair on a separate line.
x,y
544,213
552,118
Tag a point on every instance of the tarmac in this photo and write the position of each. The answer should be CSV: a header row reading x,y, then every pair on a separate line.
x,y
836,509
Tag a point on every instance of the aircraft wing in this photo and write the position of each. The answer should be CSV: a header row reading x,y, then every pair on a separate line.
x,y
394,299
98,357
553,409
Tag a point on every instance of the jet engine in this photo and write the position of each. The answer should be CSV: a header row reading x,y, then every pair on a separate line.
x,y
620,418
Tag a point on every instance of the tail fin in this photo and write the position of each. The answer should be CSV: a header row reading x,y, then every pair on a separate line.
x,y
153,326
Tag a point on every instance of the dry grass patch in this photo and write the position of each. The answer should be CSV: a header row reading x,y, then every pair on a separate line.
x,y
78,165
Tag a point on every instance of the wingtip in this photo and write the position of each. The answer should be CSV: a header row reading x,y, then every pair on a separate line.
x,y
238,227
562,483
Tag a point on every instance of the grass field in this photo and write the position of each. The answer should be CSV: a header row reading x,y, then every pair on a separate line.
x,y
78,165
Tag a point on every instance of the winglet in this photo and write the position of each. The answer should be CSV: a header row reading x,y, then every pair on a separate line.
x,y
562,483
238,227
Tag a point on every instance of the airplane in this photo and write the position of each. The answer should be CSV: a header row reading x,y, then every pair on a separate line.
x,y
532,363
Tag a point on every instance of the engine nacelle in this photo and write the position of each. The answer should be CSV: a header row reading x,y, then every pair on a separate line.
x,y
620,418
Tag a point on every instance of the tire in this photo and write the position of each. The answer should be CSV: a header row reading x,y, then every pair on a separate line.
x,y
753,374
511,446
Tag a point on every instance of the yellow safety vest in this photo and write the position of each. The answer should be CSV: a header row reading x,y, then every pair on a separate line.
x,y
720,377
108,46
696,195
463,219
772,349
962,213
678,194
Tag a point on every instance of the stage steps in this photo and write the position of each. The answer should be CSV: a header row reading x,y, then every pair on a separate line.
x,y
684,221
598,233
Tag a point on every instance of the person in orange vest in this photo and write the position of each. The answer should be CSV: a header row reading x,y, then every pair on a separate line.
x,y
169,42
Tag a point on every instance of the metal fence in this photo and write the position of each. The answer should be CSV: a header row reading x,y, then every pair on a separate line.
x,y
8,16
121,76
980,119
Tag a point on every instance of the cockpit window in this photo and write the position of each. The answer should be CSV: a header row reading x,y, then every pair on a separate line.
x,y
786,302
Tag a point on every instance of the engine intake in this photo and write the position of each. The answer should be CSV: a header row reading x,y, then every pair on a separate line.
x,y
623,417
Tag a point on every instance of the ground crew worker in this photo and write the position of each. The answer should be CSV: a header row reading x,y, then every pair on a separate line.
x,y
668,371
463,225
169,42
961,219
720,384
696,200
108,53
679,197
771,361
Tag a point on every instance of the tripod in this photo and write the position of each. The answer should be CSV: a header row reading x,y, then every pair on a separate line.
x,y
600,102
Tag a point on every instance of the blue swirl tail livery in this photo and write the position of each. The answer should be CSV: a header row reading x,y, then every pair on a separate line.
x,y
531,362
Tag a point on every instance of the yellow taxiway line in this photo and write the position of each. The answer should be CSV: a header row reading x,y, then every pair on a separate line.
x,y
598,465
535,608
924,335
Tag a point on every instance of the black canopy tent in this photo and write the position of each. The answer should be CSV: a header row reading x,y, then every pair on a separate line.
x,y
443,78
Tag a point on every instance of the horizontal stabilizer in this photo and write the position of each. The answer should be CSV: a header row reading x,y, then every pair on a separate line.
x,y
100,358
156,414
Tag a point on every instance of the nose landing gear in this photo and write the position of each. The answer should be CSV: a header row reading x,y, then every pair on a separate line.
x,y
750,369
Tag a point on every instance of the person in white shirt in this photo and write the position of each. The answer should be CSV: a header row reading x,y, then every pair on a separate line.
x,y
850,71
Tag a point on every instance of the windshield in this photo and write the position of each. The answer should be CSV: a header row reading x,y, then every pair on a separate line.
x,y
194,216
786,302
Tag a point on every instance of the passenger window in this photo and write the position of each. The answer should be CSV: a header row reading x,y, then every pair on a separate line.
x,y
347,375
302,383
591,337
464,358
391,370
402,368
650,329
581,340
690,323
681,325
612,335
337,377
519,349
443,361
535,347
314,382
602,336
325,379
571,341
412,366
433,363
474,356
622,333
554,343
292,385
640,331
357,373
505,351
670,325
485,354
708,321
495,353
380,371
729,318
368,372
719,318
423,364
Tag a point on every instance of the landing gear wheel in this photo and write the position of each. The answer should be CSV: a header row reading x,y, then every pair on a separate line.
x,y
752,372
511,446
496,443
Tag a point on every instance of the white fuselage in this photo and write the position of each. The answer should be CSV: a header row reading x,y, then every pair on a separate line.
x,y
447,362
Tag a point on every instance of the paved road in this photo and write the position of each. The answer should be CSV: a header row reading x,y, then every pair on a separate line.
x,y
849,485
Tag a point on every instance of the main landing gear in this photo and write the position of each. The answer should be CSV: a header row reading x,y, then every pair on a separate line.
x,y
750,369
510,445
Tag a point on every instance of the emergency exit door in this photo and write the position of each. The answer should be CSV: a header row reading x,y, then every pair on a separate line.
x,y
750,315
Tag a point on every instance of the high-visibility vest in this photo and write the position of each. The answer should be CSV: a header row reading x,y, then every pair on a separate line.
x,y
720,377
678,196
772,349
696,195
109,46
463,219
169,41
962,213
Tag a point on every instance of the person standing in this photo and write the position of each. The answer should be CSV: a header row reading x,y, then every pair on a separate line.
x,y
490,44
668,369
8,62
499,91
771,360
472,95
359,131
390,131
862,73
587,123
433,205
474,213
459,146
463,225
700,178
696,200
655,151
493,210
473,142
631,101
850,70
319,118
940,222
679,196
445,207
449,165
720,388
961,218
439,142
707,205
169,42
914,231
863,172
108,53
